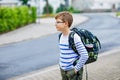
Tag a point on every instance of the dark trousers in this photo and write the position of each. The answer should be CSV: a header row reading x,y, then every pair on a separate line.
x,y
71,75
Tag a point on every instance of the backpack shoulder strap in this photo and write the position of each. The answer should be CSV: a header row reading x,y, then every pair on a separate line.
x,y
71,42
59,36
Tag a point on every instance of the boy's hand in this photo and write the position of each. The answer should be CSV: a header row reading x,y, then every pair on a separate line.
x,y
75,71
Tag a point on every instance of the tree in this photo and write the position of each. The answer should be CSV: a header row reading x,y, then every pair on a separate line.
x,y
24,2
47,6
48,9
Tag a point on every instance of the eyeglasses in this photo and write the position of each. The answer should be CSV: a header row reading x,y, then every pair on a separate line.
x,y
58,22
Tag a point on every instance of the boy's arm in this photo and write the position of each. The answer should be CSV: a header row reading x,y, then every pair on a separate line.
x,y
82,51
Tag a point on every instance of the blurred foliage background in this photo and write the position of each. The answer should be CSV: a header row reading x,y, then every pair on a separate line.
x,y
12,18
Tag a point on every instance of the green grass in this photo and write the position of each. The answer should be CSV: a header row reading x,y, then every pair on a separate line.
x,y
47,15
118,14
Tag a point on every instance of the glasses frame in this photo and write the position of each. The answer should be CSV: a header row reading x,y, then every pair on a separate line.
x,y
58,22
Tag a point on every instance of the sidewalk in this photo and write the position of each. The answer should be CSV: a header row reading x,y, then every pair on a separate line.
x,y
107,67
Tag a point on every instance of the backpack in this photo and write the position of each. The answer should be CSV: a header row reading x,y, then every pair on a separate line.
x,y
90,41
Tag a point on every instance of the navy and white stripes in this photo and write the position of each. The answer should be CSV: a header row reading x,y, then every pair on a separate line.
x,y
68,56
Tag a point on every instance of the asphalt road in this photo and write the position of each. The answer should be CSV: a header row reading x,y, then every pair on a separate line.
x,y
106,27
27,56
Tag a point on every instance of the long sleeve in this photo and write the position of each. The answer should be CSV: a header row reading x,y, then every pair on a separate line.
x,y
82,51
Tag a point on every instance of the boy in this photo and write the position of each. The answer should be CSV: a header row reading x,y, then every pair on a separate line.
x,y
69,71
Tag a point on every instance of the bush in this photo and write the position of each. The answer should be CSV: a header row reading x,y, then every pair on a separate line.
x,y
12,18
33,15
70,9
50,9
61,8
3,26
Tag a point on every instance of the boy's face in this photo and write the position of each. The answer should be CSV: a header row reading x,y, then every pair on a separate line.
x,y
60,25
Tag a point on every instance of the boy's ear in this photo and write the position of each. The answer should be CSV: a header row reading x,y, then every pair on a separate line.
x,y
66,23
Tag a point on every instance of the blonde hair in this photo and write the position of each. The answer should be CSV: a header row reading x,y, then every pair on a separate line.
x,y
65,16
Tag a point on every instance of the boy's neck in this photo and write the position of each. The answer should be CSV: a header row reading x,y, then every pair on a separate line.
x,y
66,32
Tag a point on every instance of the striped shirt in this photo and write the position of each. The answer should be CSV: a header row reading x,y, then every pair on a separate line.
x,y
68,56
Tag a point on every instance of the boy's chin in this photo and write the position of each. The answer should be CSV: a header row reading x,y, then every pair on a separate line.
x,y
58,30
